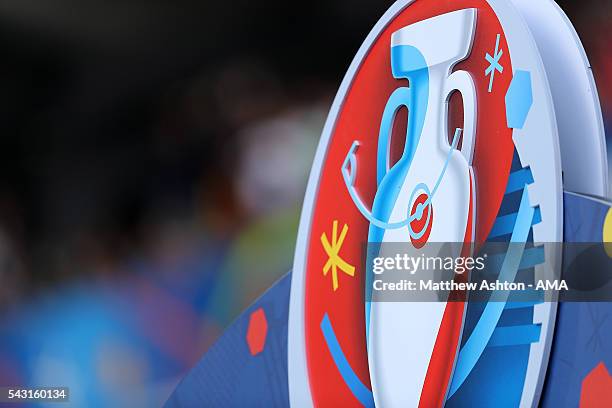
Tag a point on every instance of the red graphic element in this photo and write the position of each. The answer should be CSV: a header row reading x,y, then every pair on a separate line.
x,y
596,388
439,370
257,331
423,223
359,118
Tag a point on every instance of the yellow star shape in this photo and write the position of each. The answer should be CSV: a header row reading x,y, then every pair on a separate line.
x,y
334,261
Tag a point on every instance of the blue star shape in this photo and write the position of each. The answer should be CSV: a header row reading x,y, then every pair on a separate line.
x,y
494,64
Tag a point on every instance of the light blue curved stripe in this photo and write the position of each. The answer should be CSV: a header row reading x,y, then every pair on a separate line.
x,y
518,179
360,391
515,335
400,97
478,340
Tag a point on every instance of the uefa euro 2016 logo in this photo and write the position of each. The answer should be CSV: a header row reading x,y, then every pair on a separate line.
x,y
445,129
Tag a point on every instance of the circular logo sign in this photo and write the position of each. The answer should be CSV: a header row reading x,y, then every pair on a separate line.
x,y
442,131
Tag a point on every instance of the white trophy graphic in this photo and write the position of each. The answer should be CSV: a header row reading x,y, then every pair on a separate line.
x,y
424,197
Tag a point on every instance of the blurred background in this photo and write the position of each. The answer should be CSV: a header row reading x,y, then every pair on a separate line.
x,y
154,155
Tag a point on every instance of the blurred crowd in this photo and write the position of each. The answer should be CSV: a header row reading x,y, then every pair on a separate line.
x,y
154,156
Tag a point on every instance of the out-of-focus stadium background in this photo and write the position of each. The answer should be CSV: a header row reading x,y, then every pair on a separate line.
x,y
153,157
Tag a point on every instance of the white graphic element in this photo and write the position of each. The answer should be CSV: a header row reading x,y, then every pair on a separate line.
x,y
402,335
581,130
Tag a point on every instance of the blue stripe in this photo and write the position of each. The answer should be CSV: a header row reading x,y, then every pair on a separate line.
x,y
360,391
531,257
523,304
525,298
503,225
515,335
518,180
537,216
533,294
